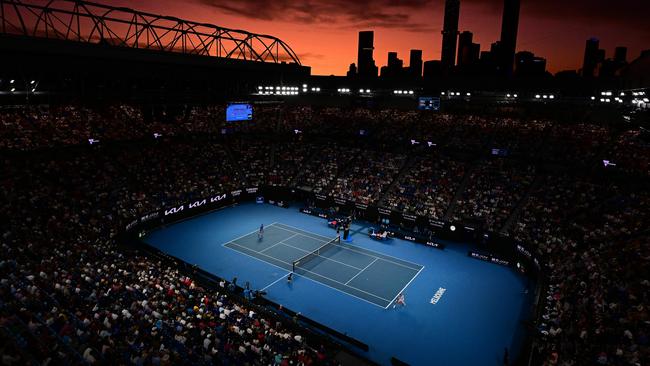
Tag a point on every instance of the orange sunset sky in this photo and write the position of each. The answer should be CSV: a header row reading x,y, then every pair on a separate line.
x,y
324,32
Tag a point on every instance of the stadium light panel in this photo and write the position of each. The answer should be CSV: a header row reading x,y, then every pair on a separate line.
x,y
552,96
507,95
32,82
13,90
537,96
452,228
411,92
468,94
442,93
593,98
515,95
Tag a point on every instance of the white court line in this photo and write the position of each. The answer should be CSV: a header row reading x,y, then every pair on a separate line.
x,y
403,288
306,270
355,276
278,243
245,235
305,233
380,255
276,281
326,258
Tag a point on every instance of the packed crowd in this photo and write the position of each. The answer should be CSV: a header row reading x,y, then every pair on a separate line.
x,y
494,189
593,238
427,187
69,294
368,177
72,295
321,171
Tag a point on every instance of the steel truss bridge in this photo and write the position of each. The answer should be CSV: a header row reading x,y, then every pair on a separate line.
x,y
88,22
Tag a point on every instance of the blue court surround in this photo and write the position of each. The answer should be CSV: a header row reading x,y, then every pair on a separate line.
x,y
479,314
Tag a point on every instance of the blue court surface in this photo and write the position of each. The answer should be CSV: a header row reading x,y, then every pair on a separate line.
x,y
459,310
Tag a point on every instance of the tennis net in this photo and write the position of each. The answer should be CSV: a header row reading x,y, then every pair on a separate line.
x,y
316,253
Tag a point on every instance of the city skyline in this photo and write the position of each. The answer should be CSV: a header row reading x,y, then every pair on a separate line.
x,y
324,34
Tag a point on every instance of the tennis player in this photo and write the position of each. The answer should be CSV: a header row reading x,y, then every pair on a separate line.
x,y
260,234
400,301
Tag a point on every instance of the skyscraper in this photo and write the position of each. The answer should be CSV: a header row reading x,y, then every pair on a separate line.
x,y
527,64
365,63
620,54
415,63
393,66
450,33
464,42
509,28
591,58
468,52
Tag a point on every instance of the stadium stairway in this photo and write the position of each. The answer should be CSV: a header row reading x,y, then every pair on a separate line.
x,y
514,214
461,188
231,155
300,172
408,164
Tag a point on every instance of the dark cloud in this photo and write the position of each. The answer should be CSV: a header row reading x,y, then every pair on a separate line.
x,y
395,14
310,56
627,13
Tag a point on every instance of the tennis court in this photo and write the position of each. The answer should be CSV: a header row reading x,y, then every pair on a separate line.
x,y
367,275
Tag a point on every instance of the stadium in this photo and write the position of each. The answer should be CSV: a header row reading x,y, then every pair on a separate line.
x,y
178,192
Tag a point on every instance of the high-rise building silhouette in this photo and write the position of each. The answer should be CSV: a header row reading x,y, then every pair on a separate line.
x,y
620,54
365,63
527,64
352,70
509,28
468,52
415,63
464,42
591,58
432,69
450,33
393,66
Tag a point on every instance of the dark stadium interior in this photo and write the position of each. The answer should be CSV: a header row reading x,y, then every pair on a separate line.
x,y
115,153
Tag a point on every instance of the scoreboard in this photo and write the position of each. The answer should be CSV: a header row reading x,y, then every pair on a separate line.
x,y
429,103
